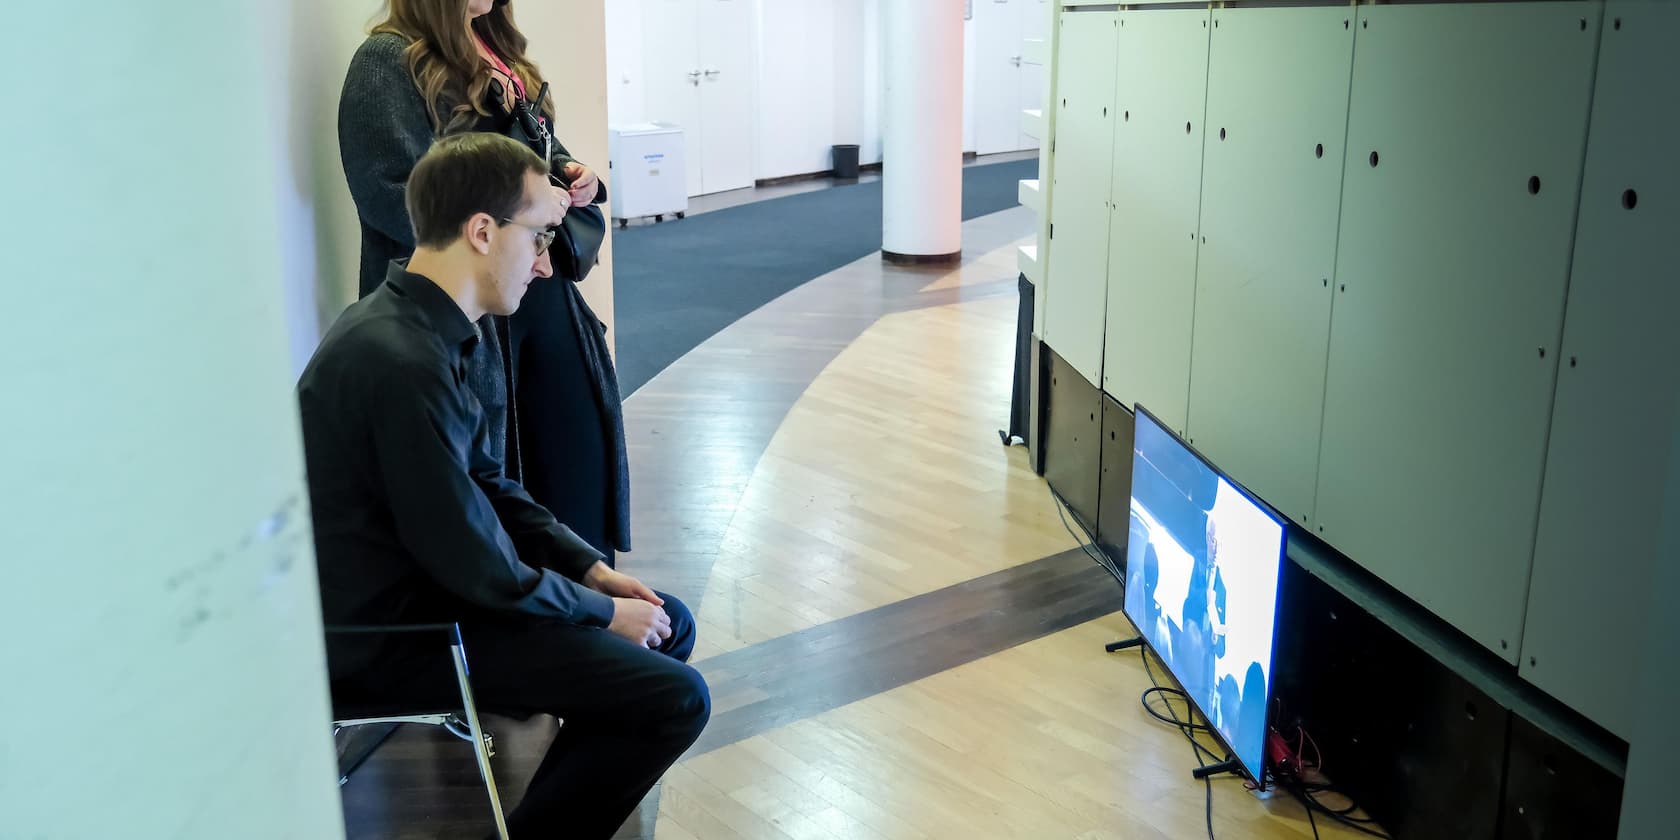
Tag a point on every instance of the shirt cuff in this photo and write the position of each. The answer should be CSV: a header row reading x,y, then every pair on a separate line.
x,y
575,562
597,609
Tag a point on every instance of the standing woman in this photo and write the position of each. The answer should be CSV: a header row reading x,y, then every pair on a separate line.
x,y
545,378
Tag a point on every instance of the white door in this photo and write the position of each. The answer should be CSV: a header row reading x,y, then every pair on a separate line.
x,y
671,55
997,75
1035,25
724,148
1004,83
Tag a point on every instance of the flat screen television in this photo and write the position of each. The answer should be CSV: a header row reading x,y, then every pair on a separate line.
x,y
1202,562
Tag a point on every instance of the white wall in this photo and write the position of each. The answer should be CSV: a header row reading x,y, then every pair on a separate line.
x,y
160,608
317,220
796,82
569,44
850,74
819,83
818,66
626,97
871,143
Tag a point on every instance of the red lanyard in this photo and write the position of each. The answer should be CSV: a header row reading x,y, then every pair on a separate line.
x,y
518,85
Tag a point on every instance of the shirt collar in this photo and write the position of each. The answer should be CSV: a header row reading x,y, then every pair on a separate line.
x,y
441,311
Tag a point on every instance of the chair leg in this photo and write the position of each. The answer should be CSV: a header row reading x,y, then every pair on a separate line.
x,y
479,746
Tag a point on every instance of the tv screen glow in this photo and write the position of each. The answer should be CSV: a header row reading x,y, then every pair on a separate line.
x,y
1202,564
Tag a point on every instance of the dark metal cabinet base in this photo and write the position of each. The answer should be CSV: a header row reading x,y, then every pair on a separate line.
x,y
1414,744
1553,793
1114,496
1431,749
1072,437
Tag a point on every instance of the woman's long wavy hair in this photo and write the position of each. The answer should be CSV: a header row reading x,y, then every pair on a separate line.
x,y
447,69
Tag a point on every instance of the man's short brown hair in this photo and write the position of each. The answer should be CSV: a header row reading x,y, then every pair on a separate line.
x,y
464,174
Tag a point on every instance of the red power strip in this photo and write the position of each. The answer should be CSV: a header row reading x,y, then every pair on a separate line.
x,y
1281,756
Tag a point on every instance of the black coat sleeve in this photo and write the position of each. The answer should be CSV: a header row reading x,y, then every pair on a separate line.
x,y
536,534
561,158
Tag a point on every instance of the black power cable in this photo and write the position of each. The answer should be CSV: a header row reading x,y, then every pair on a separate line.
x,y
1304,791
1186,728
1100,557
1296,786
1312,821
1357,824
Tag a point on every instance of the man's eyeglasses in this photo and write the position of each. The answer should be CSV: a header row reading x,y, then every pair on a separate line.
x,y
545,236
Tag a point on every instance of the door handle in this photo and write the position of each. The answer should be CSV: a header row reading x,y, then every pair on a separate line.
x,y
712,74
1015,60
694,77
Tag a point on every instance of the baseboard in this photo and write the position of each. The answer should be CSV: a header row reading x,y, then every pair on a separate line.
x,y
896,258
794,179
968,157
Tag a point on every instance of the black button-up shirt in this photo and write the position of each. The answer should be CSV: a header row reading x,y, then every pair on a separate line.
x,y
414,519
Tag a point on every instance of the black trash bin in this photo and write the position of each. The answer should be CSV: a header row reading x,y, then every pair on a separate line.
x,y
846,162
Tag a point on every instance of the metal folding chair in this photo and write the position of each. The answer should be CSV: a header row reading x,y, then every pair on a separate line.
x,y
462,722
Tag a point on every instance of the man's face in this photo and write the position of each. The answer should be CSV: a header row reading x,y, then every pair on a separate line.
x,y
514,262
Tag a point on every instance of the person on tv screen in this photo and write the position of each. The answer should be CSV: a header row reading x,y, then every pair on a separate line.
x,y
1251,716
1155,625
1203,617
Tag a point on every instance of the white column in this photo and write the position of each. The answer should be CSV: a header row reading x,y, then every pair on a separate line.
x,y
160,629
922,125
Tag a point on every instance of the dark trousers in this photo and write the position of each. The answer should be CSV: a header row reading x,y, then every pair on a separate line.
x,y
628,714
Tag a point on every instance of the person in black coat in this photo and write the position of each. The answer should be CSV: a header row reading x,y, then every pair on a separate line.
x,y
545,377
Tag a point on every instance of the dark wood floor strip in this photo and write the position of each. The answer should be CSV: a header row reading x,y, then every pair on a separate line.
x,y
810,672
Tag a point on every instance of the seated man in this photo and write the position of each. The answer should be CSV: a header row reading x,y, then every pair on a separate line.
x,y
415,522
